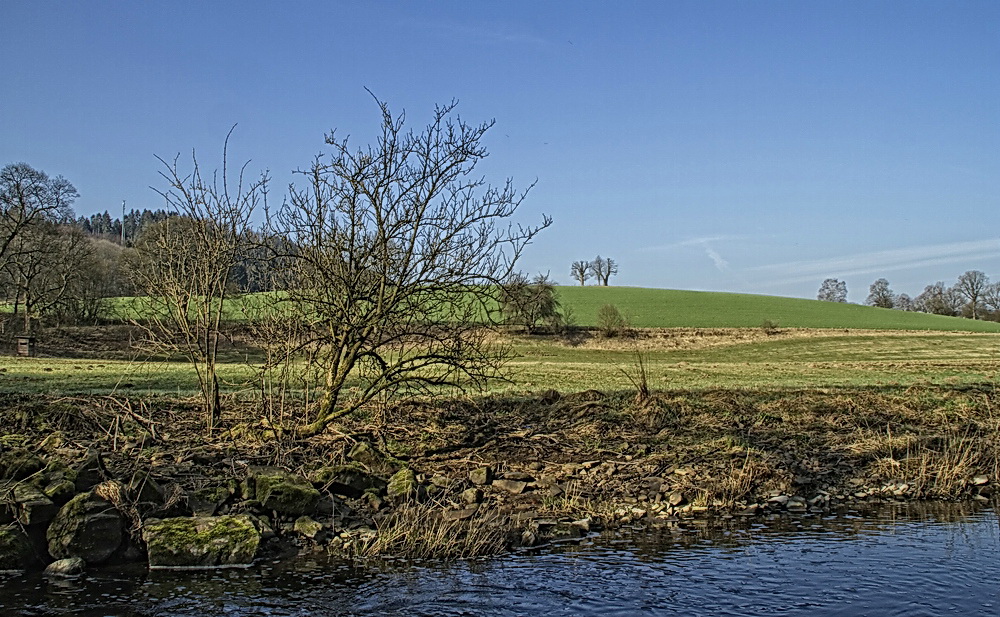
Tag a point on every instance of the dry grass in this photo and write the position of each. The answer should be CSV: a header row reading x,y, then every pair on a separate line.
x,y
419,531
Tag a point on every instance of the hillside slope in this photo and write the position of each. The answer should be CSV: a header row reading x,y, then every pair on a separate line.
x,y
668,308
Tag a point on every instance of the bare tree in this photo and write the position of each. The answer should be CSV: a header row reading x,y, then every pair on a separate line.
x,y
904,303
399,255
44,267
880,295
832,290
971,286
580,271
603,268
938,300
184,266
27,197
991,298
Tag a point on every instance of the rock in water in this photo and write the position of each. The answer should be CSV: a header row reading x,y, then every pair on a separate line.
x,y
87,527
201,542
66,567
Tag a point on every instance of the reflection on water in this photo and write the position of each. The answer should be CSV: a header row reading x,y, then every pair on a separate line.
x,y
911,561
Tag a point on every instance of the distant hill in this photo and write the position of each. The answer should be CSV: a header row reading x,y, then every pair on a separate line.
x,y
668,308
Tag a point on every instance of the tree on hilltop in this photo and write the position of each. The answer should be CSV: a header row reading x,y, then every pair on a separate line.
x,y
832,290
581,271
603,268
880,295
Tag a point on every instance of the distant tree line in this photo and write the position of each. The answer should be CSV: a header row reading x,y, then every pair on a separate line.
x,y
972,296
102,225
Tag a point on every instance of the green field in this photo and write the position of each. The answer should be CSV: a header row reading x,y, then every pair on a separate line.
x,y
690,340
668,308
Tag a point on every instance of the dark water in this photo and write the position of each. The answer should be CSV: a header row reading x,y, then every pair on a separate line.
x,y
904,562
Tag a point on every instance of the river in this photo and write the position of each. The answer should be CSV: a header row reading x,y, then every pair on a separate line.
x,y
907,561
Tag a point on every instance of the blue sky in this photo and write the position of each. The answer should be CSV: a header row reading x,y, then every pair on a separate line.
x,y
733,146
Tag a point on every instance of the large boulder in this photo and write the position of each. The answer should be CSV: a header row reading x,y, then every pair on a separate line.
x,y
283,492
15,549
88,527
201,542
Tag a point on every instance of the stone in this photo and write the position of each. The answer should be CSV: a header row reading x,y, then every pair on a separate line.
x,y
515,487
442,481
15,549
90,472
402,485
307,527
18,464
283,492
481,476
459,515
33,507
350,481
676,499
520,476
980,480
371,457
206,501
72,566
201,542
60,491
536,466
472,495
88,527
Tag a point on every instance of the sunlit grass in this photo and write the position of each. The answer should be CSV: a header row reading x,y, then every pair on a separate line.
x,y
694,362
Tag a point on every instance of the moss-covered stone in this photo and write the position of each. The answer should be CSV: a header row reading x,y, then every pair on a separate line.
x,y
201,542
18,464
15,549
60,491
88,527
206,501
33,506
402,484
283,492
347,480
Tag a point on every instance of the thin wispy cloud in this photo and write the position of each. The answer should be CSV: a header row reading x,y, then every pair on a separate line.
x,y
705,243
721,264
880,261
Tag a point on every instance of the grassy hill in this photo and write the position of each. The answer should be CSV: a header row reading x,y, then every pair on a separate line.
x,y
668,308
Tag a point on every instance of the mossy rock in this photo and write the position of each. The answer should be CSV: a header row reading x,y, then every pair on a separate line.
x,y
347,480
15,549
18,464
33,506
206,501
402,485
201,542
283,492
88,527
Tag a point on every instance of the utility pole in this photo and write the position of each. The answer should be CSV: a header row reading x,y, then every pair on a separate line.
x,y
123,222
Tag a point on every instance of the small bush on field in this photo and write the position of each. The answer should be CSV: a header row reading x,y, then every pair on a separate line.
x,y
770,327
610,321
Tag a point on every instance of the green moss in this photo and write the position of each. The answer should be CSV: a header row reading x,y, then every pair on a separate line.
x,y
201,542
